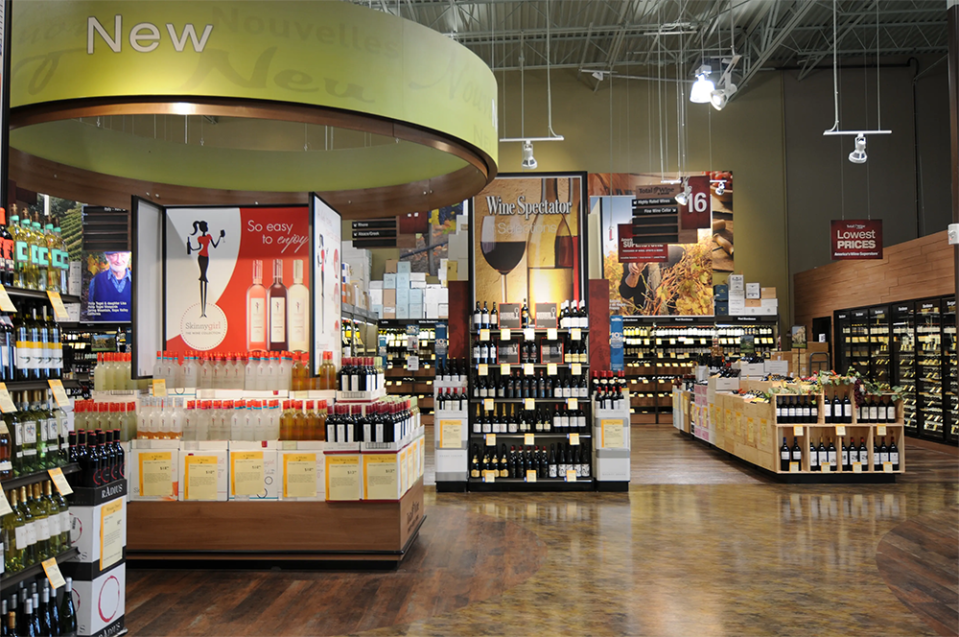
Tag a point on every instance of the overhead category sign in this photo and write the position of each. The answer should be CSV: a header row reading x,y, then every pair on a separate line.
x,y
856,239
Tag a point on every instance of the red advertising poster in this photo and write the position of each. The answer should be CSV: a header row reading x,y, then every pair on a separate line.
x,y
630,252
697,213
856,239
237,279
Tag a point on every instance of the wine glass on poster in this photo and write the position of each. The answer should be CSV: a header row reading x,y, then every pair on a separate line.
x,y
502,248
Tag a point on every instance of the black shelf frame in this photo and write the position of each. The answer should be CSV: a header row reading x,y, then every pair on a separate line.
x,y
535,433
520,484
35,385
36,476
9,580
38,295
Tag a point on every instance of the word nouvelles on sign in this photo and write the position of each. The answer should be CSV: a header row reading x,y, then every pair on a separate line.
x,y
145,36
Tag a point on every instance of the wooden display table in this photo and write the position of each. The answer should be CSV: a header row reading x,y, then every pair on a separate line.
x,y
368,531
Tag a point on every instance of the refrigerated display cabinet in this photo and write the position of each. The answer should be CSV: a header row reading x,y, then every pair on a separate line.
x,y
879,344
903,353
852,338
929,368
951,369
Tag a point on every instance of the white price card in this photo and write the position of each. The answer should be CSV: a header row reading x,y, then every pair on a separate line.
x,y
488,404
6,403
59,310
529,404
529,439
881,430
528,369
490,440
4,504
552,334
489,476
412,363
576,334
159,387
574,439
825,467
551,369
59,393
571,475
887,467
484,335
572,403
504,369
793,467
505,334
577,369
857,467
841,430
530,475
529,334
483,369
60,481
797,430
6,304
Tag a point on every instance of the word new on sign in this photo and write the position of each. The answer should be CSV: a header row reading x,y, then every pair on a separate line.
x,y
856,239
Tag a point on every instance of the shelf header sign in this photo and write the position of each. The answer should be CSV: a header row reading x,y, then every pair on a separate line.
x,y
856,239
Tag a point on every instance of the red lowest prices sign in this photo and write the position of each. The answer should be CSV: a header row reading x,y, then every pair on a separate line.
x,y
857,239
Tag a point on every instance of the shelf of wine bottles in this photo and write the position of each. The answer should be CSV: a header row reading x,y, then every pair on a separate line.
x,y
34,608
12,580
36,476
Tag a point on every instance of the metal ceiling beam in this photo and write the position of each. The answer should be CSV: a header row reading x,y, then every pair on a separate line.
x,y
844,29
799,11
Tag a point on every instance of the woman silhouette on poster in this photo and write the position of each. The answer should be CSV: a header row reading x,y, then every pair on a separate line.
x,y
203,243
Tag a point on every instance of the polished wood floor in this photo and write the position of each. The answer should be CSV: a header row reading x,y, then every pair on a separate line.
x,y
700,545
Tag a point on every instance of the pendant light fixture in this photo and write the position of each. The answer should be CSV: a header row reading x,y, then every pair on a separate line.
x,y
703,86
858,156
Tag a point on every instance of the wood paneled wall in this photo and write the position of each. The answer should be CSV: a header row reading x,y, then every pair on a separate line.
x,y
911,270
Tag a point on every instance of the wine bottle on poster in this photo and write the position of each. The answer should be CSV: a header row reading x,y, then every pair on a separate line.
x,y
298,310
277,299
256,310
549,254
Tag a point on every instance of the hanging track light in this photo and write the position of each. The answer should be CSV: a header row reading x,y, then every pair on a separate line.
x,y
529,162
703,86
858,156
683,197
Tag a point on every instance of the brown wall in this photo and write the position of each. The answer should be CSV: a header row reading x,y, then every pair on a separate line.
x,y
911,270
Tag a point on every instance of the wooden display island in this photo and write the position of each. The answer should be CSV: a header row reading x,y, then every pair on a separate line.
x,y
377,533
750,431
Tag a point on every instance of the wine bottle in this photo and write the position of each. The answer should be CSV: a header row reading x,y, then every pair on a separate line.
x,y
797,453
827,410
883,453
894,454
846,410
863,454
298,317
831,452
477,317
813,457
256,321
784,456
68,613
494,317
277,301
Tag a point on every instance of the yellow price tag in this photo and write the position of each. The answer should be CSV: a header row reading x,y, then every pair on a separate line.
x,y
574,439
490,440
159,387
571,475
857,467
552,334
59,393
528,369
887,467
530,475
52,570
551,369
793,467
6,403
489,476
505,334
5,303
483,369
60,481
529,334
797,430
488,404
484,335
529,439
825,467
4,504
572,403
881,430
59,309
529,404
841,430
504,368
576,334
577,369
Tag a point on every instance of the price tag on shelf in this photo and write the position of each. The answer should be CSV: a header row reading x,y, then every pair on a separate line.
x,y
880,430
887,467
52,570
5,303
793,467
59,309
59,393
857,467
552,334
159,387
484,335
489,476
529,334
571,475
577,369
504,368
505,334
825,467
529,439
529,404
4,504
574,439
6,403
490,440
572,403
530,475
60,481
797,430
488,404
551,369
528,369
840,430
576,334
483,369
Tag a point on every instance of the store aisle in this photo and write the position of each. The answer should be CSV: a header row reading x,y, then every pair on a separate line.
x,y
714,558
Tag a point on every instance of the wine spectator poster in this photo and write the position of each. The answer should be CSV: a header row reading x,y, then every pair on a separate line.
x,y
238,279
659,255
527,239
856,239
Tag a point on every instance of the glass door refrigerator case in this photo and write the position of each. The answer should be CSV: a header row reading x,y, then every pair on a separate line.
x,y
929,370
852,328
879,344
903,348
951,371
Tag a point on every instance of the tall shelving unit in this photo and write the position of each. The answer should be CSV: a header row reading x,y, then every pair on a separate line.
x,y
399,334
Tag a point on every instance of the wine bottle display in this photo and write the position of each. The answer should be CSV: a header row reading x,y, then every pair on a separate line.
x,y
256,320
277,301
